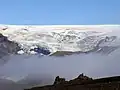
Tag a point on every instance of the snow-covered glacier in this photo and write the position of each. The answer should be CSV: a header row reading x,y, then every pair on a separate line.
x,y
48,39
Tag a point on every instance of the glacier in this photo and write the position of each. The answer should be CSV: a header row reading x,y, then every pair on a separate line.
x,y
48,39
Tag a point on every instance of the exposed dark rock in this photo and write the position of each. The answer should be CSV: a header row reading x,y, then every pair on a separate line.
x,y
10,46
64,53
59,80
42,50
81,78
5,28
7,47
83,83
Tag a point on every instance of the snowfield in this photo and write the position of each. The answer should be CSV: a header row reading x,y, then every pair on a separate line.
x,y
54,38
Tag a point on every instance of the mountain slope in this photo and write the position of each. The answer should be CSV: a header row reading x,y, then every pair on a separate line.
x,y
7,48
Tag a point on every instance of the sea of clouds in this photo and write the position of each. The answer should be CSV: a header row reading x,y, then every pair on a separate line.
x,y
93,65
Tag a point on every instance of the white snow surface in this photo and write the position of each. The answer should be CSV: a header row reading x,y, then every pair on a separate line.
x,y
58,37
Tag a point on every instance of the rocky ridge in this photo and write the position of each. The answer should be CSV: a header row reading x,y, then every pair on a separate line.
x,y
83,83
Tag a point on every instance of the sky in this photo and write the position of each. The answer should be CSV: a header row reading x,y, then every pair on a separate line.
x,y
59,12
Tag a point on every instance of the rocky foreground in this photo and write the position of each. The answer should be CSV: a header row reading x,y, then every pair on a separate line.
x,y
83,83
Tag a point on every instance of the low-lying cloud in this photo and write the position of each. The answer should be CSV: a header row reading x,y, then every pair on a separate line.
x,y
93,65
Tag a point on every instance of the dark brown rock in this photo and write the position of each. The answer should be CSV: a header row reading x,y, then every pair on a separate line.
x,y
83,83
59,80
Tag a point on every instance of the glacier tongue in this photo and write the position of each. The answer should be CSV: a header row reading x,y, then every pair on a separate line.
x,y
46,39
